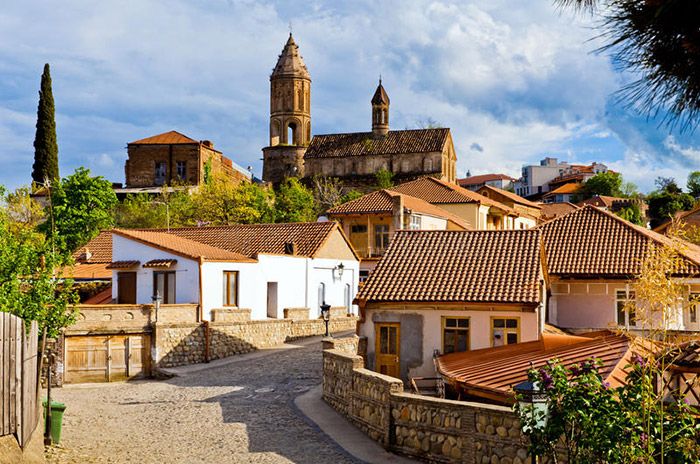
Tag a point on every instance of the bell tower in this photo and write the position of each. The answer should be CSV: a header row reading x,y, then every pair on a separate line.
x,y
380,111
290,116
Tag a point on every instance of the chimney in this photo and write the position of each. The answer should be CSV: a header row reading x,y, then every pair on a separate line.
x,y
207,143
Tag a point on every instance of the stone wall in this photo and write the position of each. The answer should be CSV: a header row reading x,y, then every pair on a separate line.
x,y
296,314
230,315
180,344
431,429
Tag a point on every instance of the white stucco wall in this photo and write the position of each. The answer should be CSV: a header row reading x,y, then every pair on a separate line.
x,y
186,271
479,330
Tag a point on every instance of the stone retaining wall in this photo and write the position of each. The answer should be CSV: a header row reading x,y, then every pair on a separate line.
x,y
431,429
180,344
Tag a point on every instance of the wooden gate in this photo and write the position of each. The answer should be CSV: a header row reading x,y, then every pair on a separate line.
x,y
19,384
107,358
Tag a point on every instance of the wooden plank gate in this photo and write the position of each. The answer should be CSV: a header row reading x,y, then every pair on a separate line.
x,y
107,358
19,379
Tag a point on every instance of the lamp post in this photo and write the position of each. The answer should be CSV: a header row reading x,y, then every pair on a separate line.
x,y
156,302
326,314
532,398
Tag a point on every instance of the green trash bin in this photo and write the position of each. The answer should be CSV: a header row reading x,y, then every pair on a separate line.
x,y
56,419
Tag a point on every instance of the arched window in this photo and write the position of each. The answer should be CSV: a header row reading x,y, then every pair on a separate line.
x,y
292,133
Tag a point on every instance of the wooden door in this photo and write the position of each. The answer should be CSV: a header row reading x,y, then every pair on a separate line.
x,y
387,349
107,358
126,288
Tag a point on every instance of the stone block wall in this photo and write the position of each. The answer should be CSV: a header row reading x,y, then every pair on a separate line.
x,y
181,344
431,429
296,314
230,315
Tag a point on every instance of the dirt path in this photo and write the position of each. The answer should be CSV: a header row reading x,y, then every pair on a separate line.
x,y
239,413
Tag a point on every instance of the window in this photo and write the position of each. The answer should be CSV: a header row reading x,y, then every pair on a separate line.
x,y
505,331
230,288
358,229
694,299
415,222
160,173
455,334
381,237
181,170
624,305
164,285
364,275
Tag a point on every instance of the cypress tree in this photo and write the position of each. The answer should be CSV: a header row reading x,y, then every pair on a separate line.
x,y
45,145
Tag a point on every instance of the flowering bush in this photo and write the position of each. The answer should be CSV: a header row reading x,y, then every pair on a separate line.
x,y
587,421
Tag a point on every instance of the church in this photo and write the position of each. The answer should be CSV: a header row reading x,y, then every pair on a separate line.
x,y
353,158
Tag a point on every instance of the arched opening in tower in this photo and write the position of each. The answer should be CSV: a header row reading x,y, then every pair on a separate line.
x,y
292,133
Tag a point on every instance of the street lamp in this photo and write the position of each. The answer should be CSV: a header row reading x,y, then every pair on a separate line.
x,y
326,314
532,398
156,299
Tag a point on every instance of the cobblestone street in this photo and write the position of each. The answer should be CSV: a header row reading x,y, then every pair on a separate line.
x,y
238,413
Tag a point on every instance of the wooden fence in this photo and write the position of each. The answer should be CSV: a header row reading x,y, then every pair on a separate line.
x,y
19,391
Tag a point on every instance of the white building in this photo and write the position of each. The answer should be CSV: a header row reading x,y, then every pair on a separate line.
x,y
263,267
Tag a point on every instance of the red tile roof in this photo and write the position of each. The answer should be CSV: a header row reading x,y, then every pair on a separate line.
x,y
97,250
87,271
492,372
458,266
554,210
437,191
478,180
166,138
382,202
126,264
100,298
510,195
591,241
365,143
571,187
160,263
181,246
604,201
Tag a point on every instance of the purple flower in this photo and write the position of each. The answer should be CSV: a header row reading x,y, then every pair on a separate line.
x,y
547,380
644,438
606,385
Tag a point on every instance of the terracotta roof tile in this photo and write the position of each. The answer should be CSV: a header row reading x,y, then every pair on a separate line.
x,y
555,210
250,239
365,143
458,266
126,264
571,187
382,201
160,263
590,241
495,371
510,195
180,245
100,249
166,138
100,298
478,180
437,191
87,271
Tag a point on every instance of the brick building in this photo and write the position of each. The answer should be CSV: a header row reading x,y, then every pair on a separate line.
x,y
173,158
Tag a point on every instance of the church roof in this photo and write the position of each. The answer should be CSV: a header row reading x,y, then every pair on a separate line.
x,y
380,97
166,138
365,143
290,62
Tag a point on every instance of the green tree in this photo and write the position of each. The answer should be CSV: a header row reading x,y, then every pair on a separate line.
x,y
294,202
666,201
604,183
45,146
632,213
222,202
693,184
30,276
351,195
81,206
658,42
384,179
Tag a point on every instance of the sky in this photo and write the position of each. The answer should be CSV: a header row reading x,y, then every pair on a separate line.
x,y
515,81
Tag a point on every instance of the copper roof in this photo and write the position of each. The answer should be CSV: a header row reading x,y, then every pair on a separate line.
x,y
87,271
510,195
478,180
554,210
382,202
438,191
500,266
97,250
591,241
126,264
100,298
251,239
166,138
396,142
160,263
492,372
180,245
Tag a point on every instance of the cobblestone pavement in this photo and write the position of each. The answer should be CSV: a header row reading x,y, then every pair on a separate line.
x,y
239,413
